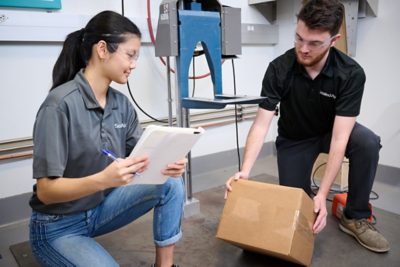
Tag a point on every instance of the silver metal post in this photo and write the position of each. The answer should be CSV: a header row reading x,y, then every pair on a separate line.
x,y
169,93
178,105
189,190
181,4
192,205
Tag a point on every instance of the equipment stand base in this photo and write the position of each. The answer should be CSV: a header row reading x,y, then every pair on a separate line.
x,y
192,207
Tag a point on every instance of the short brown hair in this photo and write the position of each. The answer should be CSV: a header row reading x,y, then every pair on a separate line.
x,y
324,15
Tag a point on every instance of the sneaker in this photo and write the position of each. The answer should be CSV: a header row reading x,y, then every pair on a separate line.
x,y
365,233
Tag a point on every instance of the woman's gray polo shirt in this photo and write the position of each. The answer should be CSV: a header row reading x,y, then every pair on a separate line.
x,y
69,132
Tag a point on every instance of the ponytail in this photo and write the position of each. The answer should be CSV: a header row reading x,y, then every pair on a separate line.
x,y
70,60
77,49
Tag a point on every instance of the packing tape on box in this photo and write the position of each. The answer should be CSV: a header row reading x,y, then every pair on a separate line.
x,y
302,226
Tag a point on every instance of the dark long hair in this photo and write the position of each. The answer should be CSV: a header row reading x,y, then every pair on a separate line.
x,y
325,15
77,49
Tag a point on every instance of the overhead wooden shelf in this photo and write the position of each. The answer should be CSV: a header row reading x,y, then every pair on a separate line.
x,y
355,9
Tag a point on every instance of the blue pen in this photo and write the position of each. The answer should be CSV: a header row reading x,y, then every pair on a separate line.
x,y
109,154
112,156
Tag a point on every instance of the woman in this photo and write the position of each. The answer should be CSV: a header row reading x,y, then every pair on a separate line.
x,y
80,193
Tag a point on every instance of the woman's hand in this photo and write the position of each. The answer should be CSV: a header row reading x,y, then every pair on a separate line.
x,y
175,169
61,189
122,171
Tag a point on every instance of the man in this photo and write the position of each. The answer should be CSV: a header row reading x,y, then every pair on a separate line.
x,y
319,90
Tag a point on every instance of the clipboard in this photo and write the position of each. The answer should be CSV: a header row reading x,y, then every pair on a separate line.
x,y
163,145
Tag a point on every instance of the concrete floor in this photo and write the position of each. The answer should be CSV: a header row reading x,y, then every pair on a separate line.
x,y
199,247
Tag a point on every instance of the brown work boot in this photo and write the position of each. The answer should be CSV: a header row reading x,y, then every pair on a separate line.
x,y
365,233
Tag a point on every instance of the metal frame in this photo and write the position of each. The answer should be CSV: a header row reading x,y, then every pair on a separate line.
x,y
182,25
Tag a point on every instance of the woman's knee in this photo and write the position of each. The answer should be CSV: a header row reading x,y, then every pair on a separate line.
x,y
176,187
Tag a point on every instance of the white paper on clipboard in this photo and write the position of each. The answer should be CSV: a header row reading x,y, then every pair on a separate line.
x,y
163,145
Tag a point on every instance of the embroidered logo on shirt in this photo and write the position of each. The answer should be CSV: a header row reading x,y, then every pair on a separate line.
x,y
119,125
327,95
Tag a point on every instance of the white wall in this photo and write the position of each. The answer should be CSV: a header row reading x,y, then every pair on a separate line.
x,y
26,68
378,51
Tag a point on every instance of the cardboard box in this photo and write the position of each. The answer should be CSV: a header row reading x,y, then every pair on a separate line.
x,y
319,167
269,219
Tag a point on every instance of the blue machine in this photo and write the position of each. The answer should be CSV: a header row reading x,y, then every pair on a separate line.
x,y
196,26
181,26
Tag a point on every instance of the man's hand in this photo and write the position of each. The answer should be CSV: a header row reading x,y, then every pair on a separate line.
x,y
237,176
320,210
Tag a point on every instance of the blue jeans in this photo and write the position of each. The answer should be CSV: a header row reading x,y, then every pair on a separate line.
x,y
67,240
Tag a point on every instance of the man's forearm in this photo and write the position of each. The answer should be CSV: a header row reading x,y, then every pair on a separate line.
x,y
334,163
340,136
253,147
255,138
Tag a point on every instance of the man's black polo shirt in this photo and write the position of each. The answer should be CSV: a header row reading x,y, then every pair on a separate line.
x,y
308,107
